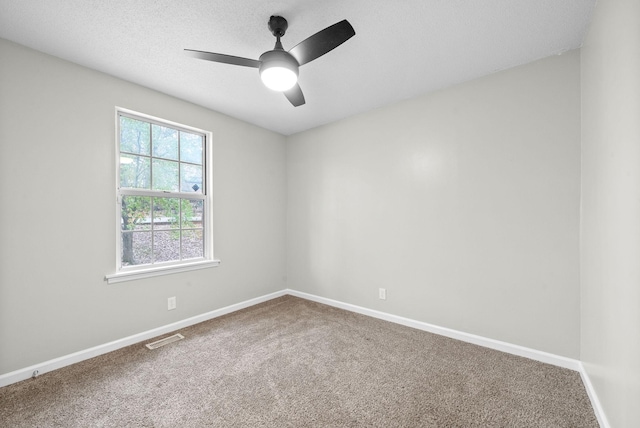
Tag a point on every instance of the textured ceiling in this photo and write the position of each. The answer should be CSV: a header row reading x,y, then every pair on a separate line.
x,y
401,49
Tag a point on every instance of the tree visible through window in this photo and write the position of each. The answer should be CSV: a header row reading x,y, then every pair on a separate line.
x,y
161,192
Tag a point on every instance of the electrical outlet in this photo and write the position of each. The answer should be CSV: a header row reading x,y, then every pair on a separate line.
x,y
171,303
382,293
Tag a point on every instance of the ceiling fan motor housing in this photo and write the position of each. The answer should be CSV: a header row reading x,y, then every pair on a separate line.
x,y
278,58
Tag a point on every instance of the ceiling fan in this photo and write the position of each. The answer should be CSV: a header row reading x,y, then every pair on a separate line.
x,y
279,68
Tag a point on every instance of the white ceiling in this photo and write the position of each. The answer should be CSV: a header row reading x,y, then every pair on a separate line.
x,y
401,49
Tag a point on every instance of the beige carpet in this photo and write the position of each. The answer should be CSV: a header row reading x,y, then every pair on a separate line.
x,y
290,362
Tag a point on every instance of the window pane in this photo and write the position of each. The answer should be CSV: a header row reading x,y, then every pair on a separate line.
x,y
165,175
192,244
165,142
136,213
190,178
166,213
190,148
166,245
136,248
134,172
134,136
192,210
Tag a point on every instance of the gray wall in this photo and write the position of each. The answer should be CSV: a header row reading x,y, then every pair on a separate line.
x,y
58,204
610,249
463,204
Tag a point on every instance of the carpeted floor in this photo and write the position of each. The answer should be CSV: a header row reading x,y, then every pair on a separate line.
x,y
290,362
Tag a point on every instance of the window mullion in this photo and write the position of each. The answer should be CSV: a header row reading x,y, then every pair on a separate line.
x,y
180,224
152,232
151,157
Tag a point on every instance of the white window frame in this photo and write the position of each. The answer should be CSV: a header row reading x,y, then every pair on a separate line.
x,y
128,273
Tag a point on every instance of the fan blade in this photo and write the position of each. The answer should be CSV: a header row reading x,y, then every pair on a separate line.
x,y
227,59
295,96
322,42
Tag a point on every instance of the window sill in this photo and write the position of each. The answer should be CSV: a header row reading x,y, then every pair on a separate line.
x,y
158,271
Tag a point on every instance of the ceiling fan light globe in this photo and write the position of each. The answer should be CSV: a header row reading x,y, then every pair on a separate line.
x,y
278,78
278,70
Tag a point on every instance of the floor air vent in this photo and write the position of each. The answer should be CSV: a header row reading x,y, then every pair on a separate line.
x,y
165,341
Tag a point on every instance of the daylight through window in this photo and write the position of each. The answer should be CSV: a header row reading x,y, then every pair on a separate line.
x,y
162,193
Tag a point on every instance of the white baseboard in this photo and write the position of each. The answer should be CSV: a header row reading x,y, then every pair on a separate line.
x,y
76,357
533,354
595,402
47,366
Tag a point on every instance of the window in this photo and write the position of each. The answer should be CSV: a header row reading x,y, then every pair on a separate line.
x,y
163,197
